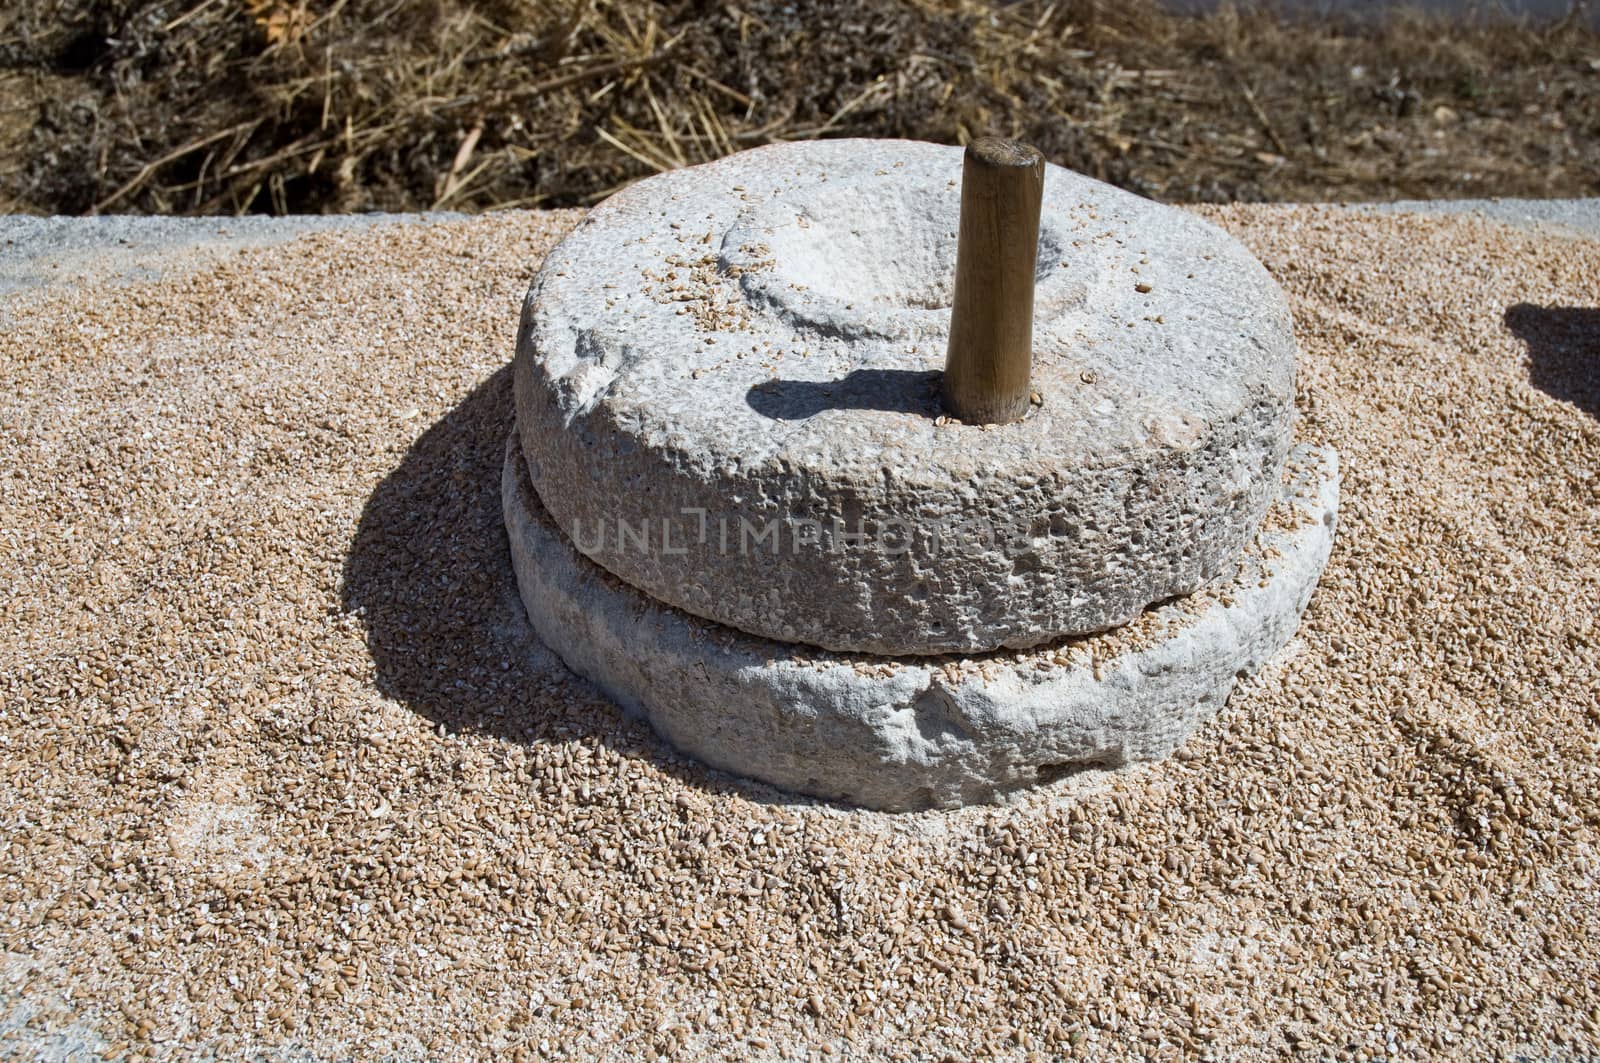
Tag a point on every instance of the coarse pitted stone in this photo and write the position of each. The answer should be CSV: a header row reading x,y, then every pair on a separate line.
x,y
727,390
905,733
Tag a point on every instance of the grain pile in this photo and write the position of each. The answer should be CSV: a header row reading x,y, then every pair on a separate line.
x,y
281,766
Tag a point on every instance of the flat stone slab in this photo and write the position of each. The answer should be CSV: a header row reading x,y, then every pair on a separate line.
x,y
45,252
1573,219
912,733
727,389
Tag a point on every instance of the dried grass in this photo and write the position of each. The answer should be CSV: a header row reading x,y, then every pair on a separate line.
x,y
223,106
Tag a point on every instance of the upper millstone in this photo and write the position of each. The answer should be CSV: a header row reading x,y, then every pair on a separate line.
x,y
727,395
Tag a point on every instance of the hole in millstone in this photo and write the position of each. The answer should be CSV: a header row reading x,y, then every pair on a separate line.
x,y
894,259
829,255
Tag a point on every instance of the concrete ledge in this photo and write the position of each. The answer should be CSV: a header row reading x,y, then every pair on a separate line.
x,y
40,252
1566,218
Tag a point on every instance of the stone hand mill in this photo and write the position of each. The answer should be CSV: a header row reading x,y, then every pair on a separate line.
x,y
903,476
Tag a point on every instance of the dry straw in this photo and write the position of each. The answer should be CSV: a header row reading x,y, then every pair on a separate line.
x,y
219,106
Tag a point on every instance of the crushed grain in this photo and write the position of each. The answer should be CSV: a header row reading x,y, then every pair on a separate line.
x,y
282,765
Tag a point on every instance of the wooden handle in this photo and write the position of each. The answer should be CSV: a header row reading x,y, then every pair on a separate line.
x,y
991,325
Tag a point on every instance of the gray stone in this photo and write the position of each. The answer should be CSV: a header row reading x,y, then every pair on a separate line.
x,y
908,733
45,252
727,389
1572,219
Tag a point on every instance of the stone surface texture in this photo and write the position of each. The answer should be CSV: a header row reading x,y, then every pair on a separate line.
x,y
727,388
908,733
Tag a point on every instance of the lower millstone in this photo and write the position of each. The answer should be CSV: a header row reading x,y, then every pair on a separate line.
x,y
910,733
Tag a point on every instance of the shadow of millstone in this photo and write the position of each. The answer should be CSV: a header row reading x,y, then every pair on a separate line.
x,y
1563,351
429,572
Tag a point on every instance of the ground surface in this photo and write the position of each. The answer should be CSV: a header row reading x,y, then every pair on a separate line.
x,y
281,766
311,106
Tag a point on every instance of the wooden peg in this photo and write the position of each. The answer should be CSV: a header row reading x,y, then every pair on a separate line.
x,y
988,362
